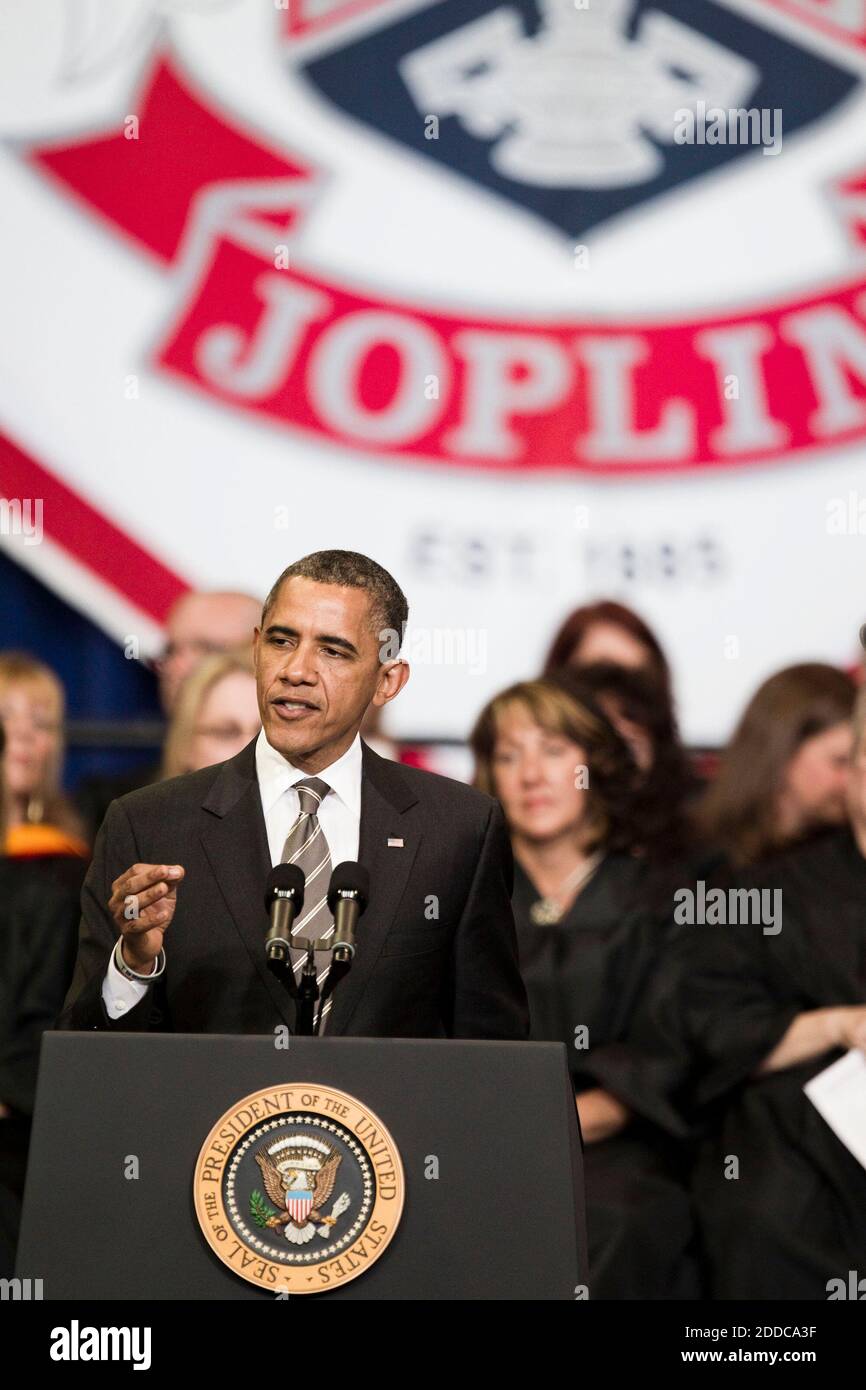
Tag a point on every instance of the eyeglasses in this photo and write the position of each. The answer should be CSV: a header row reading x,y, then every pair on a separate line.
x,y
223,733
192,647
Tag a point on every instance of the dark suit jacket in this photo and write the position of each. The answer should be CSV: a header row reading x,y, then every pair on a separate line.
x,y
453,974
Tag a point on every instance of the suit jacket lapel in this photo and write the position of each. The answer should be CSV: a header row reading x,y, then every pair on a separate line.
x,y
235,841
385,797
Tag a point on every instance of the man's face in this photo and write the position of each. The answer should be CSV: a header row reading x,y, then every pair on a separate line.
x,y
198,625
317,670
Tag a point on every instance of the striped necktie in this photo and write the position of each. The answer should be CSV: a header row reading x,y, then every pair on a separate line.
x,y
307,847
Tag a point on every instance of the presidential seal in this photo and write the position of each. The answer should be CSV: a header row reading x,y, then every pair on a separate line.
x,y
299,1188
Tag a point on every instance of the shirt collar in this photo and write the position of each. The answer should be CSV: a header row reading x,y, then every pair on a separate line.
x,y
276,774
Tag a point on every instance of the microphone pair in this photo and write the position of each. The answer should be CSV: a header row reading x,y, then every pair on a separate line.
x,y
348,894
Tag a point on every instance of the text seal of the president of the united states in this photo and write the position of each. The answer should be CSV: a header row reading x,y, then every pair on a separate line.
x,y
299,1188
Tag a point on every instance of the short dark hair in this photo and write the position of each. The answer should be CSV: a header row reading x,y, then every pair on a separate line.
x,y
389,610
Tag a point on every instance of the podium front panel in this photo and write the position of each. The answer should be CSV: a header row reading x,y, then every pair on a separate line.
x,y
486,1131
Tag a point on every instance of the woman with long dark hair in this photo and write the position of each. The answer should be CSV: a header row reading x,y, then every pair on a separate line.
x,y
784,773
765,994
638,709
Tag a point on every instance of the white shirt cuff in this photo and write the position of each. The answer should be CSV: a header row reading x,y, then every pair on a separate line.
x,y
120,994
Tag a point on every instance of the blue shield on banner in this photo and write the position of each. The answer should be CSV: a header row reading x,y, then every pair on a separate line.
x,y
575,114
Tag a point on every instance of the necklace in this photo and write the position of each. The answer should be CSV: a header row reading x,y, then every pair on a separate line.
x,y
546,911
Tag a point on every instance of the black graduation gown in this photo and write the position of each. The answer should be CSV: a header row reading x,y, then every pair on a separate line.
x,y
590,970
795,1217
39,916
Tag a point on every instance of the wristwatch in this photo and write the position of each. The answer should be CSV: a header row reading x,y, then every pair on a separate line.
x,y
133,974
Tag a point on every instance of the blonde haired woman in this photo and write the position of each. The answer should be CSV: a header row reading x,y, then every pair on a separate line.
x,y
216,714
39,819
41,872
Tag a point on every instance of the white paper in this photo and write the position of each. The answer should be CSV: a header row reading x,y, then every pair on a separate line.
x,y
839,1095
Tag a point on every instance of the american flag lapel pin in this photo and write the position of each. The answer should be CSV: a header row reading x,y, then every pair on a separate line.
x,y
394,843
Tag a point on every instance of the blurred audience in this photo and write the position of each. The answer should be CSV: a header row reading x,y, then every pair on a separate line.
x,y
784,773
567,783
639,709
611,633
215,714
41,872
755,1008
39,818
200,624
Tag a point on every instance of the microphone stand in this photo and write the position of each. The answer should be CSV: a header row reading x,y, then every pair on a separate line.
x,y
306,990
341,964
306,1023
346,909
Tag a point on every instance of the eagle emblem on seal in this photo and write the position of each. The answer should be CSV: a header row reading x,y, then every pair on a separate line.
x,y
299,1174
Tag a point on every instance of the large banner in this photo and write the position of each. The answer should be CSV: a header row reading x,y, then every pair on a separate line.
x,y
535,302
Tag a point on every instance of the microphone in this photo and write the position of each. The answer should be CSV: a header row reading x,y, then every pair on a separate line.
x,y
284,898
348,894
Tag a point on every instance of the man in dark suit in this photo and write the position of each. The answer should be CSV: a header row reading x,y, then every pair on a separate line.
x,y
173,927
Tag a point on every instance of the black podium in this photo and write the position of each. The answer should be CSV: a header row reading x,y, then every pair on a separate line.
x,y
486,1132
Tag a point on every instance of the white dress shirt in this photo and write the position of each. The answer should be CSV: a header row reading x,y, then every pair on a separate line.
x,y
339,816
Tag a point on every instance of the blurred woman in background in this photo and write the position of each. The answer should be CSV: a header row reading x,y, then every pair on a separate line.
x,y
784,773
40,820
609,632
40,887
760,1005
638,709
588,945
215,715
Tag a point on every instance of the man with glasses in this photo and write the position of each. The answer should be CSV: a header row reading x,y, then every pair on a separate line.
x,y
199,624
